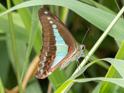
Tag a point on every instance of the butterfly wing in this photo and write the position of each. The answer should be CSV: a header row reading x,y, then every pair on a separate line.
x,y
59,46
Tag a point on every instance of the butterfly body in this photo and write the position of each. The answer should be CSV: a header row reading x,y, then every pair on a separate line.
x,y
59,46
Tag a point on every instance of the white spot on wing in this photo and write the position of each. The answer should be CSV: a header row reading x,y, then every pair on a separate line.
x,y
41,71
42,65
43,60
54,26
48,18
45,12
51,22
45,53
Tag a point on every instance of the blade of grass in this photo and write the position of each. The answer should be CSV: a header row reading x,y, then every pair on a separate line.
x,y
31,40
1,87
13,42
66,85
97,88
34,87
117,64
4,65
56,82
94,3
19,31
82,10
13,46
64,14
2,8
117,81
25,15
107,87
97,44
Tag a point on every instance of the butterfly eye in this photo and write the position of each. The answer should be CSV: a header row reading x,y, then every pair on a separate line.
x,y
82,47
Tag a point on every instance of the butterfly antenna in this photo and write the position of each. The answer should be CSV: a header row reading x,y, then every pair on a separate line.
x,y
79,60
85,35
82,47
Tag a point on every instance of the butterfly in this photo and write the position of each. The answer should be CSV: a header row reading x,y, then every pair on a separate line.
x,y
59,46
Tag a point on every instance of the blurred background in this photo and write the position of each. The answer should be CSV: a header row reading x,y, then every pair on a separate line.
x,y
77,26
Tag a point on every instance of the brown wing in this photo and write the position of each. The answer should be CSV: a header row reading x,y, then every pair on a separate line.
x,y
49,49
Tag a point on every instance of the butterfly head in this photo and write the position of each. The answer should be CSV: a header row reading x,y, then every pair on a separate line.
x,y
81,53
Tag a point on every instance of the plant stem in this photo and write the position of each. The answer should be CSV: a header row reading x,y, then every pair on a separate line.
x,y
99,41
13,46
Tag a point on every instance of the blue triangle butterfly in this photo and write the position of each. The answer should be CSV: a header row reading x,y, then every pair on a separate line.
x,y
59,47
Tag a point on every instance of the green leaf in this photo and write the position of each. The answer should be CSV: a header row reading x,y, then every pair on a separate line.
x,y
25,15
33,87
117,81
2,8
97,88
117,64
82,10
55,80
64,87
111,4
4,63
78,7
21,40
1,87
32,36
11,43
98,5
18,26
107,87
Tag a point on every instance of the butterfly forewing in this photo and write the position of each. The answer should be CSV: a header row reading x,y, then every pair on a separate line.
x,y
58,44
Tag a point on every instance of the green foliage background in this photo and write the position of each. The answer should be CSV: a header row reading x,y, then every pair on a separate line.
x,y
21,40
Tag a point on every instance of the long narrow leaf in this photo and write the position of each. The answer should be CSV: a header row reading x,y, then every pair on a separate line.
x,y
112,72
117,81
82,9
1,87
